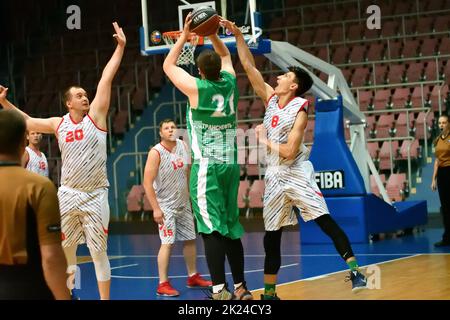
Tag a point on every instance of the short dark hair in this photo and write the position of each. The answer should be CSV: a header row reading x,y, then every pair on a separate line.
x,y
303,79
209,63
166,121
12,133
67,95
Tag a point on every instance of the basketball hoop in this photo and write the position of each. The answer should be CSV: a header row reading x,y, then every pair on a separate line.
x,y
187,53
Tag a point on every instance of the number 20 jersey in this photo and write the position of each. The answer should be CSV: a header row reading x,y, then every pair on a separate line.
x,y
83,153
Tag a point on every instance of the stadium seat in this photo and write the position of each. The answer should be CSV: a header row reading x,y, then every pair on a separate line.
x,y
429,46
385,154
400,98
395,186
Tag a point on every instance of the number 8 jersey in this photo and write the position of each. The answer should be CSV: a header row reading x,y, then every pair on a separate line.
x,y
278,122
83,153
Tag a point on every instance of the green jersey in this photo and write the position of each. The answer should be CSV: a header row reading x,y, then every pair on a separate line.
x,y
212,123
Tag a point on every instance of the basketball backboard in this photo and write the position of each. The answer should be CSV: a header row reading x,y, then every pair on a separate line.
x,y
151,42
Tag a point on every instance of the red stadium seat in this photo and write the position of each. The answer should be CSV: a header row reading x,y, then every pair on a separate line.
x,y
428,47
385,154
395,186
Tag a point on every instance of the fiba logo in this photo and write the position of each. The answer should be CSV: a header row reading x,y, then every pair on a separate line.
x,y
330,179
74,279
373,274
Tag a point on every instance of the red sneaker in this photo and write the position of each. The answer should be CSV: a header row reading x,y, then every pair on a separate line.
x,y
166,289
196,281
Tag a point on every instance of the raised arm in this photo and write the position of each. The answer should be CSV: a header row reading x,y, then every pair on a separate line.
x,y
100,105
150,174
48,125
262,89
288,150
179,77
222,50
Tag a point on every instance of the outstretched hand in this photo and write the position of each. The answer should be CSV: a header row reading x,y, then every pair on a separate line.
x,y
231,26
187,25
3,93
119,35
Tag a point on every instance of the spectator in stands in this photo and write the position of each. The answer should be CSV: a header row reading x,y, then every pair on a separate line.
x,y
441,176
166,178
32,262
33,158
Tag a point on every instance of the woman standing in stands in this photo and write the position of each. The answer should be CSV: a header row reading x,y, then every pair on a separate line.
x,y
441,176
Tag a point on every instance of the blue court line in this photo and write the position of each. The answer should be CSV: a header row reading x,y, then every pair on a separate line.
x,y
185,276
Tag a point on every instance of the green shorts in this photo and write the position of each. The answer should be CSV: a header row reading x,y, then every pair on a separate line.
x,y
214,189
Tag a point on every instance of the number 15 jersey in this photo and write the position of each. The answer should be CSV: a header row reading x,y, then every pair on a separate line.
x,y
83,154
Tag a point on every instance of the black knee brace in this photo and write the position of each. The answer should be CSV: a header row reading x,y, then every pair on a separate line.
x,y
272,246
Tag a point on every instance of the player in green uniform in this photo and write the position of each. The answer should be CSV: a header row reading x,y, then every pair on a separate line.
x,y
214,179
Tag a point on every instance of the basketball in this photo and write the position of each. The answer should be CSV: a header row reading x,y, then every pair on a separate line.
x,y
205,21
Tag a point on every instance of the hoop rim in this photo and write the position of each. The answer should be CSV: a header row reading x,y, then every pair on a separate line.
x,y
176,33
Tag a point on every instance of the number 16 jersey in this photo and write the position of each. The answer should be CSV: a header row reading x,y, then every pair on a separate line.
x,y
83,154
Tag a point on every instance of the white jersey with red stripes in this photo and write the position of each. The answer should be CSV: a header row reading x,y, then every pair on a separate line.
x,y
278,122
288,183
171,185
37,162
83,154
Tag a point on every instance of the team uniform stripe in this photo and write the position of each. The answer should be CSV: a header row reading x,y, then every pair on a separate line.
x,y
288,182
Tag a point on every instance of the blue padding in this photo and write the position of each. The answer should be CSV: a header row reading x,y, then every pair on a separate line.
x,y
364,215
348,212
330,152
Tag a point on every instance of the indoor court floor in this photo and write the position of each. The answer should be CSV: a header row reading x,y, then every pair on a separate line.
x,y
407,268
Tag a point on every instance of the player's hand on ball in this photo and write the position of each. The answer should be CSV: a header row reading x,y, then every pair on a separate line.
x,y
158,216
187,25
231,26
3,93
119,35
261,133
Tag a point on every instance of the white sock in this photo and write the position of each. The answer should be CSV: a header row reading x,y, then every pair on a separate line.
x,y
193,274
237,285
218,288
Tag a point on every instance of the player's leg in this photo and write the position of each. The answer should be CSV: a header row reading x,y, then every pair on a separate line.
x,y
185,231
277,213
228,179
303,188
167,232
95,210
71,231
205,192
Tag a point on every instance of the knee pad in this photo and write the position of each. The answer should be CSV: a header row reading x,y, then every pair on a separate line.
x,y
101,264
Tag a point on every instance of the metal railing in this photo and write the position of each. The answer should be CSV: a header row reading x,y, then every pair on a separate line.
x,y
115,176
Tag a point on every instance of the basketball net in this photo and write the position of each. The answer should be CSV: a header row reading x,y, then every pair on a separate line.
x,y
187,53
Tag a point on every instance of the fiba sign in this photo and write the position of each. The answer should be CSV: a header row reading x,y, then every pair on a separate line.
x,y
330,179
